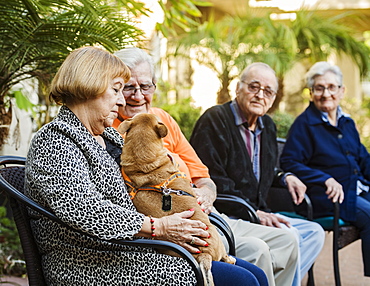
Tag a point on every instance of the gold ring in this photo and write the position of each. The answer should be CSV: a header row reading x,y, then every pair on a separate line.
x,y
192,240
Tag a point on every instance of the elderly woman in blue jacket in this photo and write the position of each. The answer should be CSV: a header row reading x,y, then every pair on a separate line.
x,y
324,150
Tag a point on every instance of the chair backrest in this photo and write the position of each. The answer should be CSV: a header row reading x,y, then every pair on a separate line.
x,y
279,198
12,176
280,145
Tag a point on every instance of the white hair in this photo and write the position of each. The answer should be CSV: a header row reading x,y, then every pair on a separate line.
x,y
245,72
135,56
320,68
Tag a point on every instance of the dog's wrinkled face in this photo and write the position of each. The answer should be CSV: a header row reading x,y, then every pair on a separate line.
x,y
143,122
143,151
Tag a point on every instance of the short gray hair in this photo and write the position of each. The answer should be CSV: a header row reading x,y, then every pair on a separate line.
x,y
135,56
320,68
245,72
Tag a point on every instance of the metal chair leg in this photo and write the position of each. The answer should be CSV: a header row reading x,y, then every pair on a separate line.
x,y
335,245
311,279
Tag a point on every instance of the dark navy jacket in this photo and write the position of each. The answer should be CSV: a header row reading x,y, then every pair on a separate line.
x,y
316,151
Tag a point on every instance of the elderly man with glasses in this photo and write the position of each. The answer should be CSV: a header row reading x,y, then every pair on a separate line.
x,y
237,142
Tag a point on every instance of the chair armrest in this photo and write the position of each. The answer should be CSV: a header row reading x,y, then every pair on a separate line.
x,y
280,200
235,206
309,207
224,227
336,221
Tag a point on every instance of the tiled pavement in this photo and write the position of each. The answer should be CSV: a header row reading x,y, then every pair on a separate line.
x,y
14,281
350,267
350,263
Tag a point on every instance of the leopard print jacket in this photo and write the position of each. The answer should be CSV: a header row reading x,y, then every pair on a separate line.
x,y
70,173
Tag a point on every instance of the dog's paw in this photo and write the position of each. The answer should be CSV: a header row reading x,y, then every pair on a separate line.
x,y
229,259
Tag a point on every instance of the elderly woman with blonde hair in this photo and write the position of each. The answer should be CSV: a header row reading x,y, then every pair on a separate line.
x,y
71,170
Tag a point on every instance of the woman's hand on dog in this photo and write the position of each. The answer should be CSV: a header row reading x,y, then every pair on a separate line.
x,y
206,193
178,228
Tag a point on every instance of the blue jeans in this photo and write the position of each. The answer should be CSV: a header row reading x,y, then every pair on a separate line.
x,y
243,273
363,223
311,238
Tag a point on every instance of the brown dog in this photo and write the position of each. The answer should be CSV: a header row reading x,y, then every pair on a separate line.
x,y
158,188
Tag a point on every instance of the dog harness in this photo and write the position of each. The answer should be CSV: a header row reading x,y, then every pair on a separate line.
x,y
160,188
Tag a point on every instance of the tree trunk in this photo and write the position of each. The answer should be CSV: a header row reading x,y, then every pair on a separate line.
x,y
279,96
44,83
5,120
223,94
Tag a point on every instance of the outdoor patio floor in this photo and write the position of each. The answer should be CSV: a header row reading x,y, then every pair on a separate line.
x,y
350,266
350,263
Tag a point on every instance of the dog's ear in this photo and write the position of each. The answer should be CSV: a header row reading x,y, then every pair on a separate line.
x,y
124,126
161,129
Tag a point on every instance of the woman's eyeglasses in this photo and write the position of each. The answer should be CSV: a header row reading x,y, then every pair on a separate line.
x,y
319,90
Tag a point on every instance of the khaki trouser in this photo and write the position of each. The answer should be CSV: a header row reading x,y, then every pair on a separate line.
x,y
274,250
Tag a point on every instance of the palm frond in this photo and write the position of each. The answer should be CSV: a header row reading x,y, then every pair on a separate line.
x,y
38,35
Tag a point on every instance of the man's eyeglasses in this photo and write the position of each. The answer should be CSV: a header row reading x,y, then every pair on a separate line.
x,y
144,89
255,87
319,90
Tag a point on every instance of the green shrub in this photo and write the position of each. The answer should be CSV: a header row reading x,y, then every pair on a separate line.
x,y
283,122
184,113
363,122
361,115
183,110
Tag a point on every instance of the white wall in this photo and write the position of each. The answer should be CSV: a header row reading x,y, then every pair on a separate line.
x,y
20,133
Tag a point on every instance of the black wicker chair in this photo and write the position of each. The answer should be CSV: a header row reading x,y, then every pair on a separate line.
x,y
225,229
343,233
279,200
12,184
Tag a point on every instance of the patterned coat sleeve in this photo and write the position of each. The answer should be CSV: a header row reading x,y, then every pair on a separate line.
x,y
79,181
